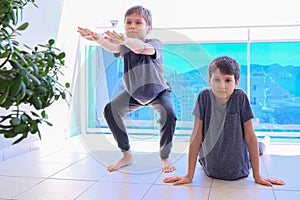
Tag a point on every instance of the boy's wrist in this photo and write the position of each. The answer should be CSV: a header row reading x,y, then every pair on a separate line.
x,y
124,39
190,176
99,39
256,176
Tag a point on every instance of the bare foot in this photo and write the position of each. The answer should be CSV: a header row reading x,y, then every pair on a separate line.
x,y
167,166
126,160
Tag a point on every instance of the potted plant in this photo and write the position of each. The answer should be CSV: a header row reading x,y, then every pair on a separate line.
x,y
28,76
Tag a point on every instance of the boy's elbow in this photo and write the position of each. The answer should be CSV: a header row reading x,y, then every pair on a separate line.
x,y
139,51
145,51
114,51
252,139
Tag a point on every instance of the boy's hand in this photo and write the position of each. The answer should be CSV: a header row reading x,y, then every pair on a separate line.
x,y
89,35
117,38
178,180
268,181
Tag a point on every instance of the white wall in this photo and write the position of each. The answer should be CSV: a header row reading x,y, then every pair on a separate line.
x,y
188,13
43,21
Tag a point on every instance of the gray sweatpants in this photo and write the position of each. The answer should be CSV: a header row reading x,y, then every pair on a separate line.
x,y
124,104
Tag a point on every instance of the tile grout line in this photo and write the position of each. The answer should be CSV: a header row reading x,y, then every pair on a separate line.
x,y
43,180
151,185
49,178
69,165
210,189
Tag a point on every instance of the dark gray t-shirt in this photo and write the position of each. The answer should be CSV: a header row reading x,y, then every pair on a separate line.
x,y
223,152
144,74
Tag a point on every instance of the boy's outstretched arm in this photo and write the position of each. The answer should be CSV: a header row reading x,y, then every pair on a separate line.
x,y
103,41
195,142
138,46
252,143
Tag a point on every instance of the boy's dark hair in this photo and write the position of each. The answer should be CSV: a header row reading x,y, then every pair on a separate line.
x,y
140,10
226,65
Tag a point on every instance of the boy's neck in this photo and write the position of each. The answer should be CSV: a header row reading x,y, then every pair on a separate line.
x,y
221,102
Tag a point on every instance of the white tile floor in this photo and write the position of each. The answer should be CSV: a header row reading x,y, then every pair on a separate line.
x,y
76,169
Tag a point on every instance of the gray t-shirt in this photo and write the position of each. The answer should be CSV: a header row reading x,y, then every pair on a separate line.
x,y
144,74
223,152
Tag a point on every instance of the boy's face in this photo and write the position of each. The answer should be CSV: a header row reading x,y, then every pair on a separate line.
x,y
136,27
222,85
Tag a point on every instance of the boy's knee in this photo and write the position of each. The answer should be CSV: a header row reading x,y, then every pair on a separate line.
x,y
107,110
171,114
171,117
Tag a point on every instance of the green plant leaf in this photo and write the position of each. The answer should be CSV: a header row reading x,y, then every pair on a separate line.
x,y
35,69
23,26
15,86
26,79
15,121
10,134
28,47
41,90
34,114
3,131
29,92
43,114
63,95
39,133
3,97
33,128
13,16
24,118
5,54
37,103
16,64
5,117
20,128
62,55
19,140
49,124
4,6
4,82
67,85
51,42
34,79
22,93
11,46
20,57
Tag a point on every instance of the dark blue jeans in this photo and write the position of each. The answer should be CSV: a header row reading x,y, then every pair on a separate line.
x,y
124,104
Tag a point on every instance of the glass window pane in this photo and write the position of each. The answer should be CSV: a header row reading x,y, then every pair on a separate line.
x,y
187,71
275,81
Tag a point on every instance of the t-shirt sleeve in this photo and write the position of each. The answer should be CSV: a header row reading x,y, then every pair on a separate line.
x,y
122,51
117,54
157,45
246,113
199,106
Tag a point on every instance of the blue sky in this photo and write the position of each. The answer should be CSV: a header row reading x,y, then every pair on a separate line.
x,y
186,57
283,53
